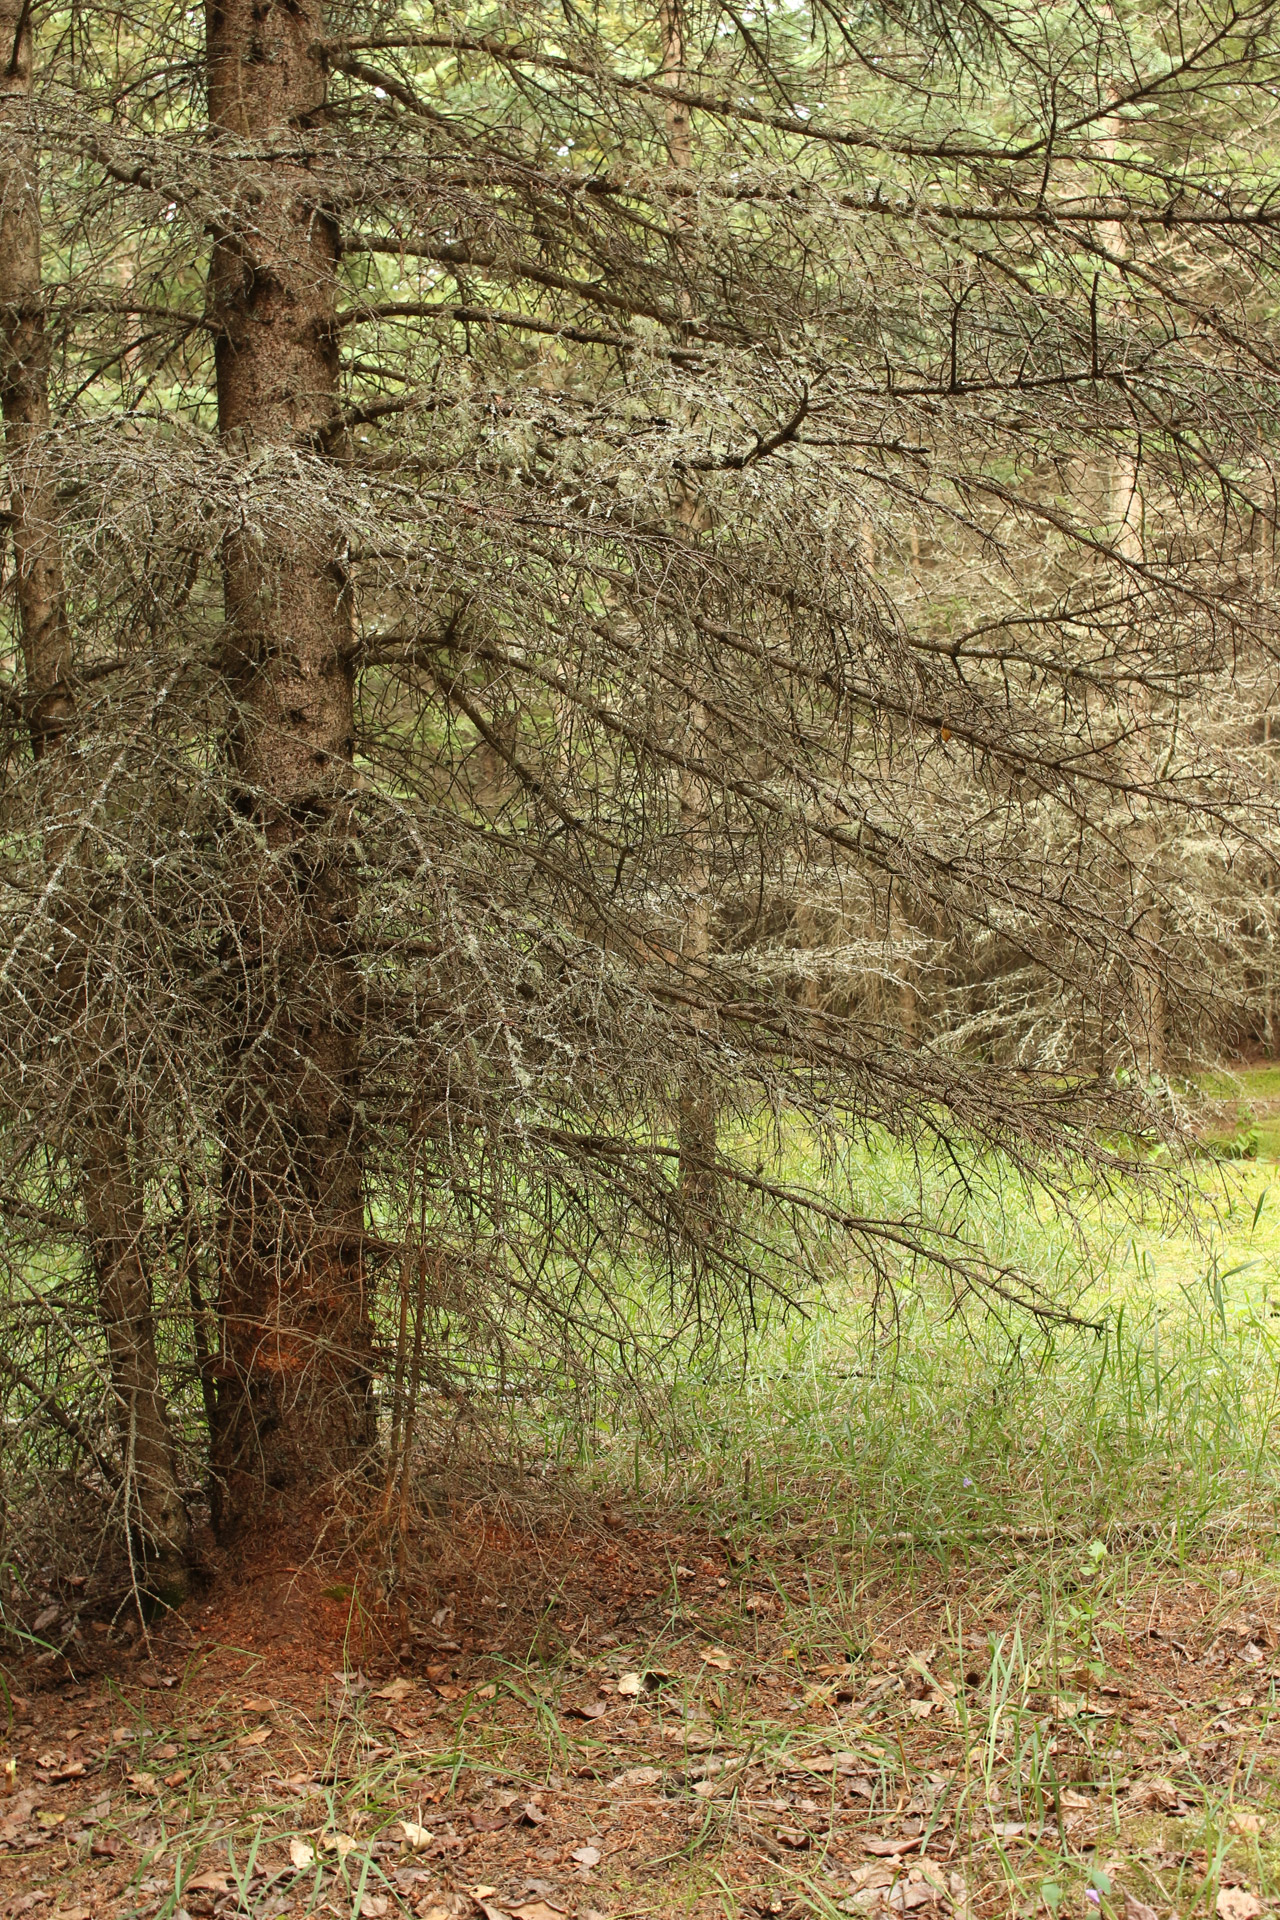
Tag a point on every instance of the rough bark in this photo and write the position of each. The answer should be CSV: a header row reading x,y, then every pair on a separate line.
x,y
697,1108
46,649
906,993
1142,992
100,1131
1145,1015
696,1104
294,1400
679,127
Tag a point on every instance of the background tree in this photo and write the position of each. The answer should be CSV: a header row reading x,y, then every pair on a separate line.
x,y
94,1116
393,671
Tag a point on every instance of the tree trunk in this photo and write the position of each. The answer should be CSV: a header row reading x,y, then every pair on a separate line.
x,y
906,994
1145,1015
100,1120
294,1398
696,1106
46,645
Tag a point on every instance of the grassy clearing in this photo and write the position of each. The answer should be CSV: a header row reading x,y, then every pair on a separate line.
x,y
1243,1117
958,1421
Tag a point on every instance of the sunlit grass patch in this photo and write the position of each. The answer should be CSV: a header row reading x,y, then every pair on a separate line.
x,y
945,1417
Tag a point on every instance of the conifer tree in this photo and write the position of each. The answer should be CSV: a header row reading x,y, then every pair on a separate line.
x,y
483,478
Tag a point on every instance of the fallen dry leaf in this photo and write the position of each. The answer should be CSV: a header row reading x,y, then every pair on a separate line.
x,y
1157,1796
586,1856
910,1895
254,1739
301,1854
888,1849
373,1906
1237,1903
638,1777
208,1883
874,1876
692,1738
1247,1822
339,1843
395,1690
652,1678
537,1910
141,1782
717,1657
1138,1909
794,1837
415,1836
587,1710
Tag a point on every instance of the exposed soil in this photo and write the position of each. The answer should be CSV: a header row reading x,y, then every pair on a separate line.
x,y
623,1719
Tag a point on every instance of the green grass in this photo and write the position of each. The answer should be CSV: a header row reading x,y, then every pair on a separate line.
x,y
1247,1124
1248,1083
959,1418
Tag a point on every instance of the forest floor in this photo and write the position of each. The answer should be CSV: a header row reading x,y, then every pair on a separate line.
x,y
637,1721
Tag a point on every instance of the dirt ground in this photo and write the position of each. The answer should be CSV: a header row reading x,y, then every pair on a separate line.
x,y
625,1720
